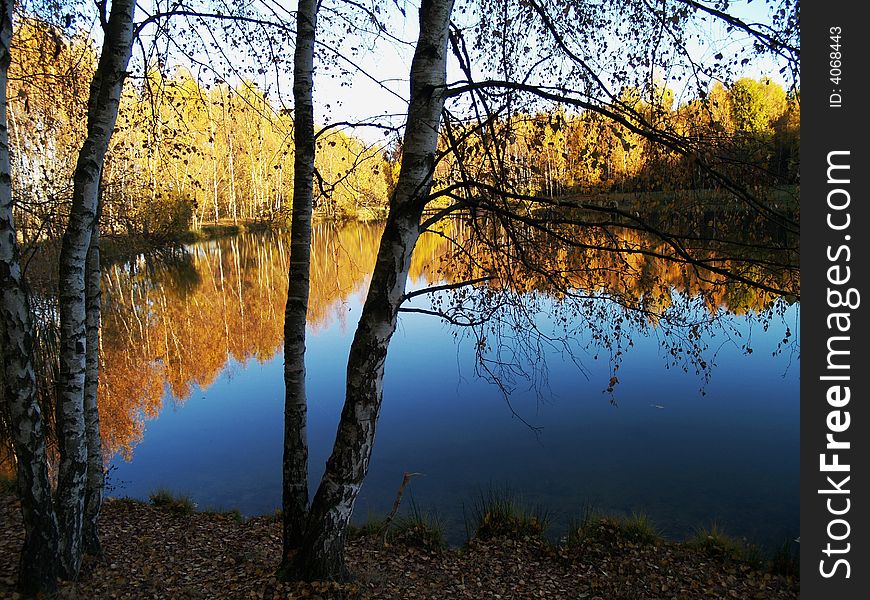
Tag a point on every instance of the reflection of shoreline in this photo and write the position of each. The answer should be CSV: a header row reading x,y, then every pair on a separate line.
x,y
170,326
173,325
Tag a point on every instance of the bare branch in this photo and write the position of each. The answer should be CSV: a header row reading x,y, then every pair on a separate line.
x,y
445,287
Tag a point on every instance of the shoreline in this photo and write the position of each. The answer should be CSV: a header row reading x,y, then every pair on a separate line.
x,y
161,552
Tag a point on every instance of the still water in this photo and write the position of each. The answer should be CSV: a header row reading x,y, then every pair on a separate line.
x,y
203,416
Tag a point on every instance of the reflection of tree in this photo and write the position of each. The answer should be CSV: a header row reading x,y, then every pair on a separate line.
x,y
600,287
625,264
174,323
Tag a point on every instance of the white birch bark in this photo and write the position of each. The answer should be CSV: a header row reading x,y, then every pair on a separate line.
x,y
96,473
232,175
37,567
322,553
295,460
105,94
214,160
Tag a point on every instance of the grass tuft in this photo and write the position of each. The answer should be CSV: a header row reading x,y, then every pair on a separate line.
x,y
177,504
786,560
579,524
638,528
605,530
371,527
715,543
234,514
420,529
499,512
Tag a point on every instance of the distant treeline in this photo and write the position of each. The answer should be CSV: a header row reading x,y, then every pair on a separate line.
x,y
187,153
750,130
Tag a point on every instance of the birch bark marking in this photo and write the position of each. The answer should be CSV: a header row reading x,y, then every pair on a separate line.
x,y
322,553
295,460
105,94
96,474
37,567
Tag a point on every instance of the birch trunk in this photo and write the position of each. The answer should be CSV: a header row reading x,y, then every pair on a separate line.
x,y
295,462
214,160
96,474
232,175
37,568
103,104
322,553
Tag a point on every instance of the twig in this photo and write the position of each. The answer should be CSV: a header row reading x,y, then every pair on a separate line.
x,y
388,521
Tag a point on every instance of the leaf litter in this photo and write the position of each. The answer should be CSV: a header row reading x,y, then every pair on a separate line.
x,y
154,554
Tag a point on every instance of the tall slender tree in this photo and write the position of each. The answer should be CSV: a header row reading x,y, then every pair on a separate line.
x,y
295,472
321,555
103,103
96,473
37,572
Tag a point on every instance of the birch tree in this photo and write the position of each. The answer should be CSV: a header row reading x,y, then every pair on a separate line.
x,y
96,473
295,461
321,555
103,102
512,36
36,573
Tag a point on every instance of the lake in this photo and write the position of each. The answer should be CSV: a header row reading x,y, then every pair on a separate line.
x,y
192,391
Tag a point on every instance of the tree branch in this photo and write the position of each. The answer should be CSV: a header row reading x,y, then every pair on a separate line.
x,y
447,286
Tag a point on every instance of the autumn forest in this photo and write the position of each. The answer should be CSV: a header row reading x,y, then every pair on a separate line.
x,y
186,154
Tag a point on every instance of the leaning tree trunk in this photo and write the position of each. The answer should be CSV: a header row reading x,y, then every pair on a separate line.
x,y
37,568
322,553
105,95
96,474
295,469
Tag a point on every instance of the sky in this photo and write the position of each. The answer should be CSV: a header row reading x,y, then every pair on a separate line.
x,y
344,91
364,98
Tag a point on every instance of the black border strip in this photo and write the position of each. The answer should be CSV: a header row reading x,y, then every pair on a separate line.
x,y
835,229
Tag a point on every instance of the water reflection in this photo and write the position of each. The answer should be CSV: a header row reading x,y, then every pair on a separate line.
x,y
201,331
